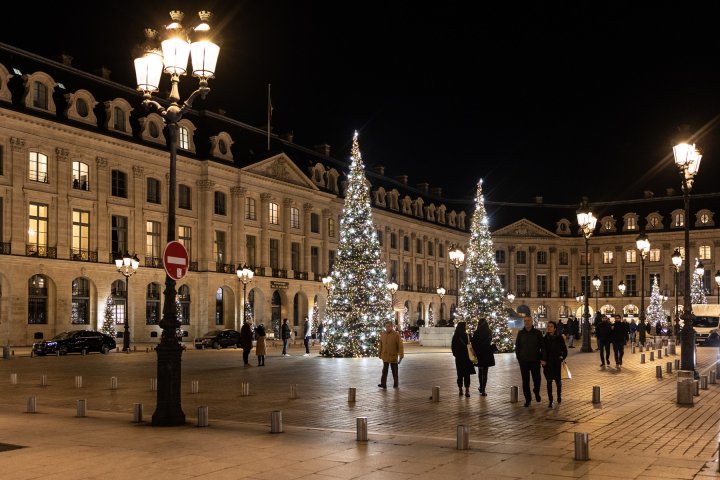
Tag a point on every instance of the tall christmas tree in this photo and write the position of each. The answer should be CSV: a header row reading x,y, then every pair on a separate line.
x,y
481,294
697,292
108,326
655,310
359,302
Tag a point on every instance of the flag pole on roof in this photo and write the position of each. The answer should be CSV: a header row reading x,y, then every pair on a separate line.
x,y
269,117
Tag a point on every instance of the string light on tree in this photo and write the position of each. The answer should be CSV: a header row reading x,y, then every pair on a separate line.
x,y
655,310
109,317
359,303
697,292
481,294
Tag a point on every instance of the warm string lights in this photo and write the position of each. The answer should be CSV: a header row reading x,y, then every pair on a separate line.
x,y
359,302
482,294
655,311
697,291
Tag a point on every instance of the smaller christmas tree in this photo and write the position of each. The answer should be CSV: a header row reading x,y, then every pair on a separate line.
x,y
697,292
109,318
655,310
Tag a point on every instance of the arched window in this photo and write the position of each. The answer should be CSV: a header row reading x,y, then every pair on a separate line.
x,y
276,306
184,301
80,173
119,296
183,138
80,309
219,308
37,300
152,304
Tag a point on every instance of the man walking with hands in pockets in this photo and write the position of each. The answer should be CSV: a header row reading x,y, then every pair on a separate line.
x,y
528,351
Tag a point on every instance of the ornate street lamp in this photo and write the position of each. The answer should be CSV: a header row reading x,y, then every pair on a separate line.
x,y
441,293
245,275
622,287
510,296
677,262
328,283
687,159
643,244
717,280
393,288
457,258
596,283
127,265
172,58
586,222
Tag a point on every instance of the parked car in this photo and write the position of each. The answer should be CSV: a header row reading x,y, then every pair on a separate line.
x,y
75,341
218,339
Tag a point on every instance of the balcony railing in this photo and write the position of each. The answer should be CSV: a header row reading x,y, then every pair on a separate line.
x,y
225,268
300,275
543,294
5,248
153,262
80,255
276,272
32,250
193,266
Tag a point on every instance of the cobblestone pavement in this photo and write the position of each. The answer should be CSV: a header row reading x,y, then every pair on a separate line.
x,y
637,431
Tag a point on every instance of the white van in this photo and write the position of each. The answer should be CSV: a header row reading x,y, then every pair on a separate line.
x,y
706,321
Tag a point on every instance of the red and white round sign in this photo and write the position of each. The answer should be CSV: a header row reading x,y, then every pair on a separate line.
x,y
175,260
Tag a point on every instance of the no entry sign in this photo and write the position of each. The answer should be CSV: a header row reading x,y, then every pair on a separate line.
x,y
175,260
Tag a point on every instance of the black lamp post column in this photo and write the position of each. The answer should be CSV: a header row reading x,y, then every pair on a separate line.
x,y
586,347
687,334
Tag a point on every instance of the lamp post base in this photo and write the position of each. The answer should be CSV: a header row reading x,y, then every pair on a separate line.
x,y
168,412
586,347
126,338
687,351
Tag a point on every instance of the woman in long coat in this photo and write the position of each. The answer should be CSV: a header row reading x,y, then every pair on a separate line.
x,y
463,365
260,350
482,344
246,338
554,353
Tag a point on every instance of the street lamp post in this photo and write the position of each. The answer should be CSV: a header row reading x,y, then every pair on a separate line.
x,y
441,293
245,275
393,288
596,283
586,222
457,258
717,280
643,244
510,296
687,158
327,283
173,60
127,265
677,262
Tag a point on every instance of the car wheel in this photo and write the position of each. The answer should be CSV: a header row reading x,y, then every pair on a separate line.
x,y
216,345
104,349
63,351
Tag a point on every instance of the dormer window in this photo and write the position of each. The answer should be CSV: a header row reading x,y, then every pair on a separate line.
x,y
183,138
117,112
705,218
82,107
679,219
222,146
40,95
631,222
119,123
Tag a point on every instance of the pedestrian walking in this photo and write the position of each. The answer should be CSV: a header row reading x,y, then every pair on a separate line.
x,y
572,329
620,331
633,327
391,353
554,353
484,351
528,351
260,349
285,336
463,365
320,330
604,336
246,339
307,333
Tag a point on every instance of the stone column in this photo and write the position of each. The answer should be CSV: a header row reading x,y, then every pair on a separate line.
x,y
401,252
554,287
103,222
574,281
63,219
307,264
284,262
532,260
325,247
511,281
237,232
18,201
413,249
264,245
136,216
206,210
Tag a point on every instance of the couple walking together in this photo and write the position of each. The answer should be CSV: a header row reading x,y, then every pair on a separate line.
x,y
483,349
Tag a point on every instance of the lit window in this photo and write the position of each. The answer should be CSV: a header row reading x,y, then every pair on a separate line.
x,y
608,256
704,252
654,255
38,167
630,256
679,220
631,223
294,217
273,213
183,138
250,213
704,218
80,176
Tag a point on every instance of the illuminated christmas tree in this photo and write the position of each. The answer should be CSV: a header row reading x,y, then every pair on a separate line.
x,y
109,318
697,292
481,294
359,302
655,309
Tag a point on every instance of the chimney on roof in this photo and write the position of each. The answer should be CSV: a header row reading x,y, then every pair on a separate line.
x,y
423,186
647,193
323,149
670,192
66,59
437,191
288,136
402,179
104,72
538,199
379,169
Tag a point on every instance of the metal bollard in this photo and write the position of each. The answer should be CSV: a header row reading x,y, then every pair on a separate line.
x,y
43,380
658,371
668,367
704,382
514,394
713,377
641,348
117,349
435,394
78,381
113,383
153,384
632,348
361,423
652,356
642,357
659,354
596,394
582,446
666,351
696,388
13,379
245,389
134,348
83,352
137,412
293,391
202,416
194,386
351,394
31,405
463,437
677,364
81,408
276,421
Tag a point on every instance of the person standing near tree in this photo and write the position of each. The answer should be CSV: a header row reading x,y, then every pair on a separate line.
x,y
260,349
482,345
391,353
528,351
554,353
307,333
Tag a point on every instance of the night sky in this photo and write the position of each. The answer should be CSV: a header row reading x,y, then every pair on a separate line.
x,y
537,99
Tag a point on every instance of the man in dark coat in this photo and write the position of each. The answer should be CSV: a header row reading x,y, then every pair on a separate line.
x,y
620,331
285,336
604,336
528,351
246,339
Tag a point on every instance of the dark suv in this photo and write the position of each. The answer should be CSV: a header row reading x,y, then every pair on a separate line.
x,y
218,339
75,341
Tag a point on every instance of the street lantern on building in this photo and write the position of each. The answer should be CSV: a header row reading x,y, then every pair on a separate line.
x,y
177,44
586,221
328,283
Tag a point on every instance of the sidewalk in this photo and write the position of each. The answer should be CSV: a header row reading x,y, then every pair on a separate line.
x,y
637,431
